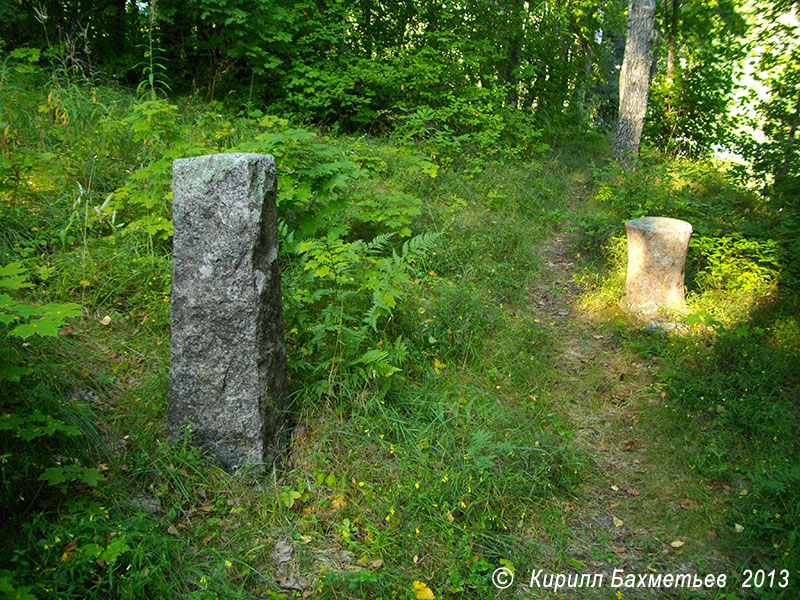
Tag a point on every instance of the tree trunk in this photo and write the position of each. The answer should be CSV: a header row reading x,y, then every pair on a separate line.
x,y
634,78
517,19
672,40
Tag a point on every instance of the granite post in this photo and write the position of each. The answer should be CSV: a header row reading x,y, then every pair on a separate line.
x,y
228,359
657,249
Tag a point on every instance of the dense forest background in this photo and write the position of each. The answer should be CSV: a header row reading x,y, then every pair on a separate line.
x,y
468,395
479,74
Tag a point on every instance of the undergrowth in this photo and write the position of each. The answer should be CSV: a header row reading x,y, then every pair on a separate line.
x,y
431,446
422,453
729,376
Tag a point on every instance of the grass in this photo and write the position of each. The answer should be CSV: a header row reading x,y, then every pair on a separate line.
x,y
727,390
502,440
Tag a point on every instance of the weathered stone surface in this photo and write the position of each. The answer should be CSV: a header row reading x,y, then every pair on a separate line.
x,y
657,249
228,359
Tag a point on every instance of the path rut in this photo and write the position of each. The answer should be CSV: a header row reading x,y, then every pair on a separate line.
x,y
636,510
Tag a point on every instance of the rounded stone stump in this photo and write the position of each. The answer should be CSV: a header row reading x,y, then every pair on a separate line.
x,y
656,261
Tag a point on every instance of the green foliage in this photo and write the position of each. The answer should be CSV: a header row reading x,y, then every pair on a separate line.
x,y
337,296
429,422
347,264
153,67
487,69
740,241
728,384
11,589
725,263
735,392
690,111
21,320
476,123
775,157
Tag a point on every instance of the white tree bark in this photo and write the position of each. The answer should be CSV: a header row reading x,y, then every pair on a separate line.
x,y
634,78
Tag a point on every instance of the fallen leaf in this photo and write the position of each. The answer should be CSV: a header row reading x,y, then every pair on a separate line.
x,y
619,549
633,492
628,446
617,522
613,505
376,564
105,320
738,528
422,591
615,488
689,505
337,501
172,531
677,543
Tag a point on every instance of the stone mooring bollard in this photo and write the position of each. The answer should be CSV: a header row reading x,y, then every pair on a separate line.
x,y
228,359
657,249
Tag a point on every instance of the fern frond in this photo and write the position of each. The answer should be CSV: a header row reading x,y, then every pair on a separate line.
x,y
379,242
419,245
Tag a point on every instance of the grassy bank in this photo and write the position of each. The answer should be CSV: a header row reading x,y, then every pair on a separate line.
x,y
435,439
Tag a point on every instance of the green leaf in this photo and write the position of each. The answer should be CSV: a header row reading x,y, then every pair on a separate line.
x,y
91,550
116,547
692,319
25,330
13,277
57,476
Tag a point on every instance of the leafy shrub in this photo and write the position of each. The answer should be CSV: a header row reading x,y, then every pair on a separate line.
x,y
476,123
337,294
734,264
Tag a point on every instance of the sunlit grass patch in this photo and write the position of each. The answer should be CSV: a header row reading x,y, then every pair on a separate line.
x,y
729,383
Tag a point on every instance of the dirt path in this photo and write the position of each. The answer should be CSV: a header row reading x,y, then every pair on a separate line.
x,y
638,510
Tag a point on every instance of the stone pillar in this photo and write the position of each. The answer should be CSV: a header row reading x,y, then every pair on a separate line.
x,y
228,359
656,260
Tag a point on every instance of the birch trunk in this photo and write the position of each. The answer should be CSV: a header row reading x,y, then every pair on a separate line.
x,y
634,78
